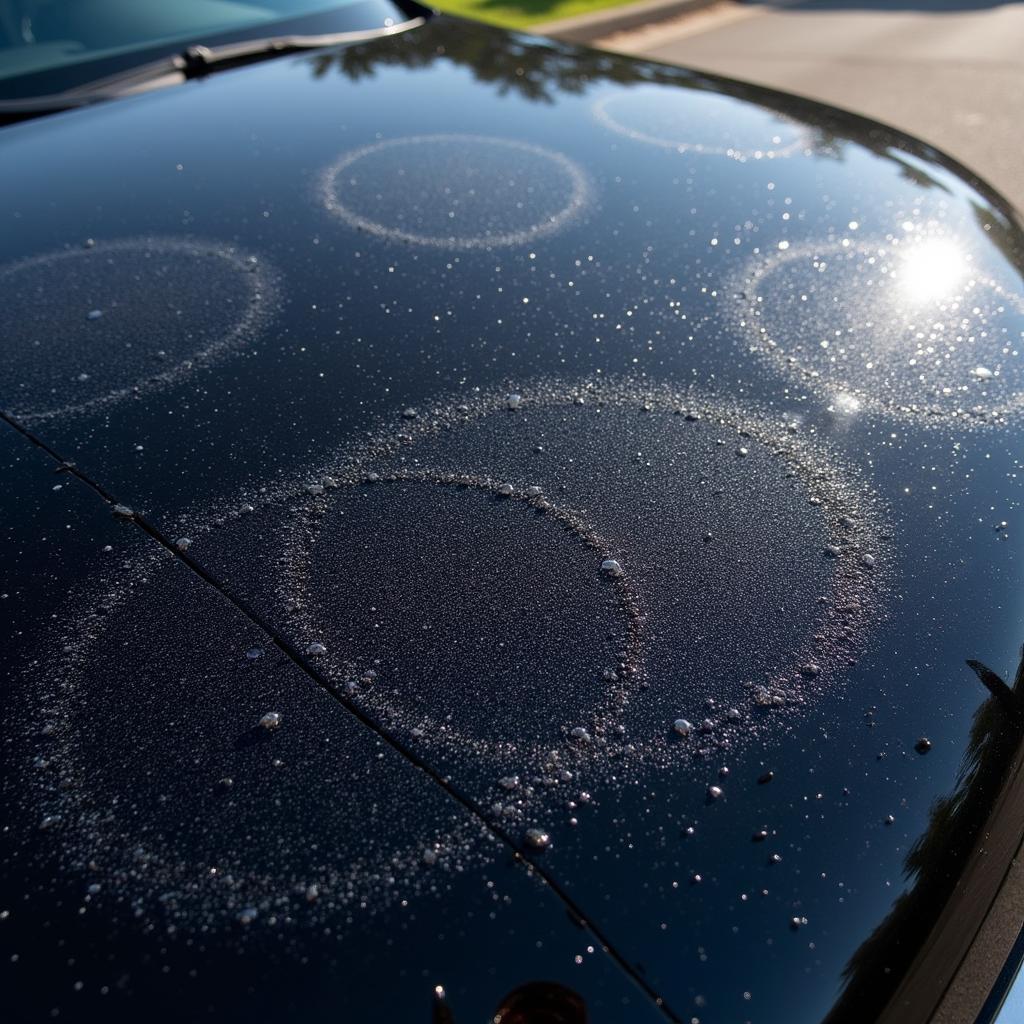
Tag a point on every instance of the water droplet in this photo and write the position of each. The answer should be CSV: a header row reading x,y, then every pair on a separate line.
x,y
580,734
714,792
923,745
982,373
271,720
513,401
316,648
506,490
538,838
248,915
94,314
611,567
254,652
183,543
682,726
123,512
409,414
867,560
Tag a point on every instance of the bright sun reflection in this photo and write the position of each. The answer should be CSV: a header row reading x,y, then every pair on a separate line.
x,y
931,270
846,404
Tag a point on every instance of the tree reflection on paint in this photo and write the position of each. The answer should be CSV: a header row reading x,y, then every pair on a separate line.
x,y
938,858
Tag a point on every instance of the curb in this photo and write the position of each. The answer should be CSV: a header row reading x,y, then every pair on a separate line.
x,y
585,28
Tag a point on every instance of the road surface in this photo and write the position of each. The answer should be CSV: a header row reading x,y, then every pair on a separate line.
x,y
948,71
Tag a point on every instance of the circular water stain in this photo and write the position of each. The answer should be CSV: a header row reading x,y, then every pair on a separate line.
x,y
455,191
698,122
465,611
713,566
92,326
909,329
193,787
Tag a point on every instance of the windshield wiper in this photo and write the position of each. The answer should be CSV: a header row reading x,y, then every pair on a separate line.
x,y
193,62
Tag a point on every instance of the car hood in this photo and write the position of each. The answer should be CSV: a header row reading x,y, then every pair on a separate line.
x,y
524,513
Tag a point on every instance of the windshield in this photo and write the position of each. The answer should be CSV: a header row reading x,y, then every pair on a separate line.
x,y
48,46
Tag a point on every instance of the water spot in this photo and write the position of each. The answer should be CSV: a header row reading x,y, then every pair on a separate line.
x,y
697,122
315,649
682,727
537,838
907,328
271,720
157,310
923,745
470,191
611,567
253,653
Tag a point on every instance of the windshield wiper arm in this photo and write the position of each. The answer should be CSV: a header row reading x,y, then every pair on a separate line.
x,y
194,62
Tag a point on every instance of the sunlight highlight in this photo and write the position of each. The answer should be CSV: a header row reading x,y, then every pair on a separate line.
x,y
931,270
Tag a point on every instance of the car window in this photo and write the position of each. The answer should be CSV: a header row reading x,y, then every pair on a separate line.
x,y
39,39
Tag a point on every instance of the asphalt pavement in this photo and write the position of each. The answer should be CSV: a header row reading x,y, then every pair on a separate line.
x,y
948,71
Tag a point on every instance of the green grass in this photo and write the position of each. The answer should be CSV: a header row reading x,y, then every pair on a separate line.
x,y
521,13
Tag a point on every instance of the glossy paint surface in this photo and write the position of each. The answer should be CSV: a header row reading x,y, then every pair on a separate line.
x,y
626,460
